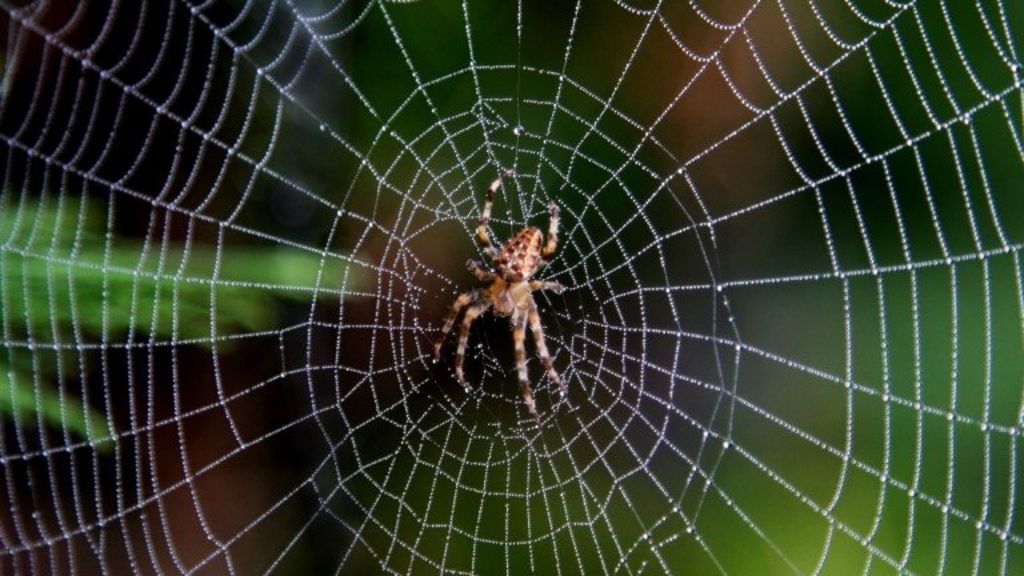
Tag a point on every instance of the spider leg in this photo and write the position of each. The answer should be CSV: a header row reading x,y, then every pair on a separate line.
x,y
460,353
555,287
552,240
519,338
478,270
482,235
542,348
449,320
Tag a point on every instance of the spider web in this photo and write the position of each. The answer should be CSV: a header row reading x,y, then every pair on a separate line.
x,y
792,333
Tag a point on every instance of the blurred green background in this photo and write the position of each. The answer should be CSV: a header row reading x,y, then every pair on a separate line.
x,y
793,334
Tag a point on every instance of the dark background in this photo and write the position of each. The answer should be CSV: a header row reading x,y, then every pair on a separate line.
x,y
791,236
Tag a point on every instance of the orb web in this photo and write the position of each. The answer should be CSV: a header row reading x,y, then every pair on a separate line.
x,y
792,328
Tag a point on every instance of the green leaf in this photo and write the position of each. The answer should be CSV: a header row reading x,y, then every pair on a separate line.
x,y
29,405
62,279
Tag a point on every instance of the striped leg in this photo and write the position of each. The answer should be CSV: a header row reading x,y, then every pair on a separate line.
x,y
542,348
555,287
519,338
449,320
460,353
478,270
482,235
552,241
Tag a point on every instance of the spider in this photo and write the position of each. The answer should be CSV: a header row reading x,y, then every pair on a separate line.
x,y
509,294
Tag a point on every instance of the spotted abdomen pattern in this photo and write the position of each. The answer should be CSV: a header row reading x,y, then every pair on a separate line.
x,y
520,256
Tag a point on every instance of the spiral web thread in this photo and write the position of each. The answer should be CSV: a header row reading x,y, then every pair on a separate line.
x,y
792,329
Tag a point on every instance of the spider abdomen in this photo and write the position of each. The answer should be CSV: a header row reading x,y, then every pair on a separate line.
x,y
520,257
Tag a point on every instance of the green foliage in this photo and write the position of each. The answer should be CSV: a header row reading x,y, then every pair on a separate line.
x,y
65,282
29,405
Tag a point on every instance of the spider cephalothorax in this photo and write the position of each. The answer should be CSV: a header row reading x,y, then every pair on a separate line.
x,y
509,294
